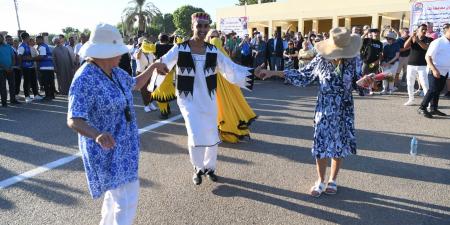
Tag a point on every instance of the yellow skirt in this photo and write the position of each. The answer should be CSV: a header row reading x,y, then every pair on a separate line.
x,y
165,93
234,113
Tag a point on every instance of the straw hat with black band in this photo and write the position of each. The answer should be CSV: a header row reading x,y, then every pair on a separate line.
x,y
341,44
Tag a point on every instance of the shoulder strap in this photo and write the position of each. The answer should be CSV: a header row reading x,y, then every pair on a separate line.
x,y
146,56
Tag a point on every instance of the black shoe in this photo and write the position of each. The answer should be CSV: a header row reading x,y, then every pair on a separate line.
x,y
47,98
164,117
211,175
447,95
4,105
197,178
15,102
437,113
425,113
361,92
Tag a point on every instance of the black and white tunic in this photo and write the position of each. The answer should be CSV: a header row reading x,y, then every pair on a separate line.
x,y
196,83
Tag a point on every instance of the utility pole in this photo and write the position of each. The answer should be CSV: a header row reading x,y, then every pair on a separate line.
x,y
123,27
17,14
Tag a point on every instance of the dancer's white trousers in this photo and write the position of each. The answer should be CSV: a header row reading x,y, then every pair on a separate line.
x,y
203,157
411,75
119,205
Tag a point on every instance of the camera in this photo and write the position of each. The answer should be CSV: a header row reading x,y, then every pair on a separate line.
x,y
127,112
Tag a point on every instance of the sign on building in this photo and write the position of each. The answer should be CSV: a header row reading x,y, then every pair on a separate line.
x,y
234,24
435,12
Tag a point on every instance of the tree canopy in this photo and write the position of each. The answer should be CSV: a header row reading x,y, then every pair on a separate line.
x,y
251,2
182,19
141,12
69,31
163,23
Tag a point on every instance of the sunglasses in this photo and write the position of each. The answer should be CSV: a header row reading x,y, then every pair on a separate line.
x,y
202,26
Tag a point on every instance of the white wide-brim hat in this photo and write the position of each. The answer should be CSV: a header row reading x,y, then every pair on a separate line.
x,y
105,42
341,44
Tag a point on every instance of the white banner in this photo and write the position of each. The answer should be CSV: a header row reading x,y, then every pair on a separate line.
x,y
234,24
436,12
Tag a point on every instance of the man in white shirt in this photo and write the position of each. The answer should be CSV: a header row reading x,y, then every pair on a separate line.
x,y
83,38
26,63
71,47
438,63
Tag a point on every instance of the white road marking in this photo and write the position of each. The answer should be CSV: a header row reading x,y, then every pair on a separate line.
x,y
49,166
37,171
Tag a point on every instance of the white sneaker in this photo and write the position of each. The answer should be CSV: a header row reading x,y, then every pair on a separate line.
x,y
153,106
383,92
28,100
370,93
409,103
38,97
394,89
147,109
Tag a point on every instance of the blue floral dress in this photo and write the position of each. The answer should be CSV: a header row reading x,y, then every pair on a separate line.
x,y
101,103
334,130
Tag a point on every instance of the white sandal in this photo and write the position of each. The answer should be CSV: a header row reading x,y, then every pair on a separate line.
x,y
318,187
331,188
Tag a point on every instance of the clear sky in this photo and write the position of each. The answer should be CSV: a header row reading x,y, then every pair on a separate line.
x,y
52,15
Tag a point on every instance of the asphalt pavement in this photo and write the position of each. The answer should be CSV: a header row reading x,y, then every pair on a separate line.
x,y
263,180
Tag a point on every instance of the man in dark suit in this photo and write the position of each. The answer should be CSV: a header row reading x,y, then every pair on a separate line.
x,y
275,50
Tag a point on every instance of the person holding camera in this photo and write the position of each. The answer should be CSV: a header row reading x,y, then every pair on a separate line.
x,y
101,112
417,65
391,54
371,54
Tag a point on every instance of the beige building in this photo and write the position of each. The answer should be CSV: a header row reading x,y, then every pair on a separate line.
x,y
320,15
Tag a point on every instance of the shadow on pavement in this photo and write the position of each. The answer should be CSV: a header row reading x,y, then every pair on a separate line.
x,y
370,208
29,153
6,204
382,141
359,163
155,144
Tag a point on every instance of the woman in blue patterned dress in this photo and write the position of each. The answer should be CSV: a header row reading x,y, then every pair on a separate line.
x,y
101,111
334,134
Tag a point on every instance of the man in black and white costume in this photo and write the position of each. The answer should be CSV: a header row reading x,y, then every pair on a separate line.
x,y
197,64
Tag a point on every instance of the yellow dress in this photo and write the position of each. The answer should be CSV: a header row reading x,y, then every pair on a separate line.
x,y
234,113
166,91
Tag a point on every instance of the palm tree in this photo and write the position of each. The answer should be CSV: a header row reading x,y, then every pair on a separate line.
x,y
141,11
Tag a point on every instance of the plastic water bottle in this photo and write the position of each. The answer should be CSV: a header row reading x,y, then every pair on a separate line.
x,y
413,150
